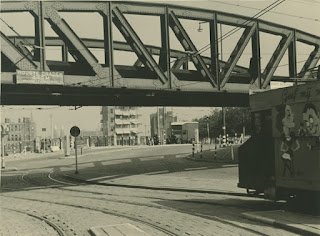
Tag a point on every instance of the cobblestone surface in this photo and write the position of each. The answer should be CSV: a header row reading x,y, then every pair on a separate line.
x,y
75,207
16,223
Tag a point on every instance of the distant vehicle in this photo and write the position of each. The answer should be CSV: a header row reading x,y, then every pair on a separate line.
x,y
282,157
155,140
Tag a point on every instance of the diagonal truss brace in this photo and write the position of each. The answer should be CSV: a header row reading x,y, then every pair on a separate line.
x,y
188,45
81,51
236,54
276,58
136,44
311,62
19,59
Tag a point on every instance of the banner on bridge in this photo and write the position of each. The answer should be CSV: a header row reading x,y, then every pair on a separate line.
x,y
40,77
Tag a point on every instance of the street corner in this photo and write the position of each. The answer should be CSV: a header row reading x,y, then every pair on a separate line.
x,y
297,223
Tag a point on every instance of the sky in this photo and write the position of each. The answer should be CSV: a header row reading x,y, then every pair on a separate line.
x,y
299,14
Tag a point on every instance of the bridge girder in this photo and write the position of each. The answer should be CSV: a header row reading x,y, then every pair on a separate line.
x,y
211,74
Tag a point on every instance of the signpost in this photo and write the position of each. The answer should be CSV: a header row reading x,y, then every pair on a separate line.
x,y
75,131
4,132
44,145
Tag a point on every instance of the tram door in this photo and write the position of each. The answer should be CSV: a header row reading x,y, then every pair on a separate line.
x,y
256,163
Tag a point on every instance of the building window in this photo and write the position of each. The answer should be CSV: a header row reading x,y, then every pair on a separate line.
x,y
8,137
111,110
112,119
16,137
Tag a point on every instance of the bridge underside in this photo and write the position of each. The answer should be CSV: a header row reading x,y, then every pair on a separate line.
x,y
160,75
85,96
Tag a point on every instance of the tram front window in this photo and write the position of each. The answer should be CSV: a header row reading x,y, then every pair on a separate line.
x,y
262,123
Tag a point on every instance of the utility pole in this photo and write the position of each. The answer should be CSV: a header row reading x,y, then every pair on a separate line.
x,y
51,126
224,125
164,126
158,122
223,109
208,131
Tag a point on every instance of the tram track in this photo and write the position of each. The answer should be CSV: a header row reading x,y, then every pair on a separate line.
x,y
135,219
55,227
48,178
56,180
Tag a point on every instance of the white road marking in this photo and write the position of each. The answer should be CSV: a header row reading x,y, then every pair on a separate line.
x,y
231,165
151,158
157,172
58,181
180,155
197,168
103,177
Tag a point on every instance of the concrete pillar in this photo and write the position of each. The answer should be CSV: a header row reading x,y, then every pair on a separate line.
x,y
66,145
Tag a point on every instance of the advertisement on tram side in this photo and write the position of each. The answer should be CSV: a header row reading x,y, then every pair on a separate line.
x,y
296,132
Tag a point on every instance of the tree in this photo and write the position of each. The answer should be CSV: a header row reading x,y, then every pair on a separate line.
x,y
236,119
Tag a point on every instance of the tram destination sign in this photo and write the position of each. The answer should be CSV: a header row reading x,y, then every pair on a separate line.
x,y
39,77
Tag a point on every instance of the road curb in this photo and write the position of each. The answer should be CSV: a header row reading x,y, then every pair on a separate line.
x,y
203,159
156,188
289,226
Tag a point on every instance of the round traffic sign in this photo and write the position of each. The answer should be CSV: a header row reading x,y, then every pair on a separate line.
x,y
75,131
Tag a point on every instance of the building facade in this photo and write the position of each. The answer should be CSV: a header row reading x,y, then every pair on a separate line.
x,y
160,124
21,135
120,125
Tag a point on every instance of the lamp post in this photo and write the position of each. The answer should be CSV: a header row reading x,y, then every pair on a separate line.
x,y
44,145
224,126
208,131
4,132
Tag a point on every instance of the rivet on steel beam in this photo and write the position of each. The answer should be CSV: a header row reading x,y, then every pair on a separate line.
x,y
176,29
125,31
195,60
185,44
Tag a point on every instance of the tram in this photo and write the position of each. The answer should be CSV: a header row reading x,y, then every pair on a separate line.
x,y
282,157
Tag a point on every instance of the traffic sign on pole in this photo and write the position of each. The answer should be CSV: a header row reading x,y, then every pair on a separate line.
x,y
75,131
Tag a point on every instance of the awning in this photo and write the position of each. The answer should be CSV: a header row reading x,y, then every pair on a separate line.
x,y
117,112
118,121
126,131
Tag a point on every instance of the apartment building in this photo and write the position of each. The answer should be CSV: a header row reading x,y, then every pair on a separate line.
x,y
120,125
21,135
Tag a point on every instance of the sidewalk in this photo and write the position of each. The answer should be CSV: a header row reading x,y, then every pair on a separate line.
x,y
227,154
294,222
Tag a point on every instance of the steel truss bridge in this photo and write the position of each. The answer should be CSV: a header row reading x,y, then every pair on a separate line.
x,y
149,82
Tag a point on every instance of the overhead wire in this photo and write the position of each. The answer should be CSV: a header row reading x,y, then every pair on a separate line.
x,y
245,23
234,30
273,12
